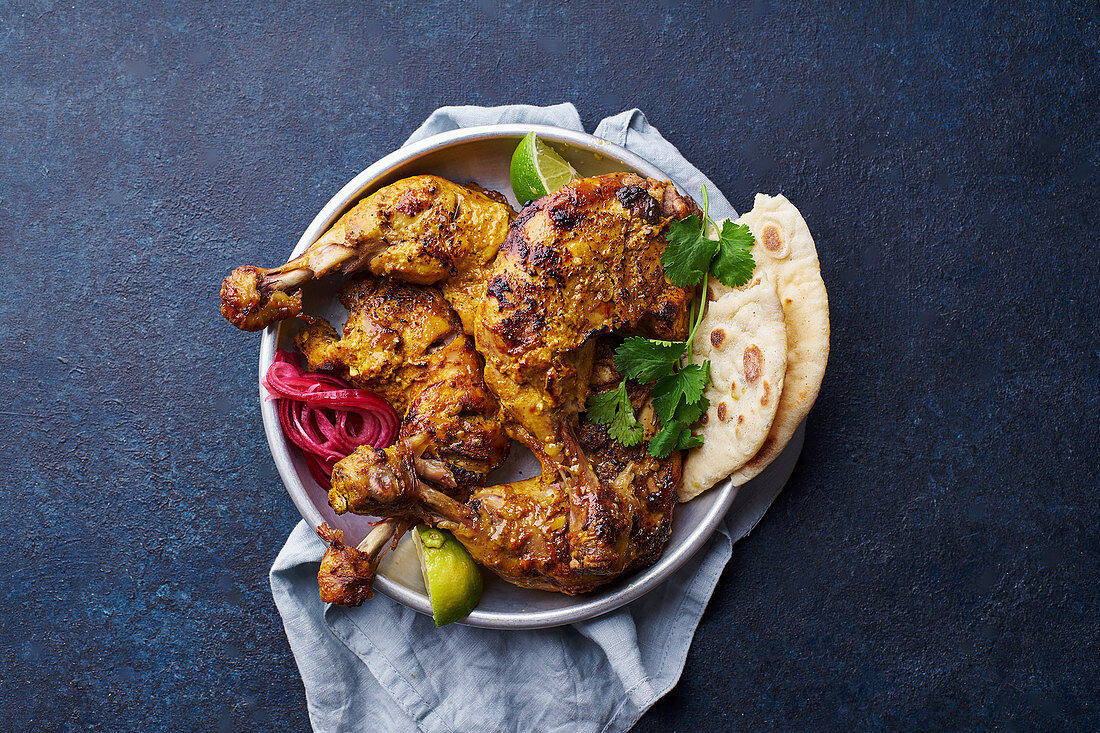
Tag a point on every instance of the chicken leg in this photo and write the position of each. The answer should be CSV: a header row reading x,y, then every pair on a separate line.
x,y
521,530
581,261
405,343
422,229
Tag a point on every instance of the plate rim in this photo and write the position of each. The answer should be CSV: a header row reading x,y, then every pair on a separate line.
x,y
596,604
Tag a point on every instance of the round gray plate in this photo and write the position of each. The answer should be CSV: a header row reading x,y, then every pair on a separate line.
x,y
482,155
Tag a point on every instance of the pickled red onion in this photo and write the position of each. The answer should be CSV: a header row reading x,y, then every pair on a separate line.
x,y
325,416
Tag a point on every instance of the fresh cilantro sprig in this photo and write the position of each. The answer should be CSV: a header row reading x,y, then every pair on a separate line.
x,y
690,253
685,387
675,436
647,359
678,398
734,264
678,393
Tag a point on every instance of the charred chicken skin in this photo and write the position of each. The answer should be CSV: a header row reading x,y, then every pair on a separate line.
x,y
422,230
582,261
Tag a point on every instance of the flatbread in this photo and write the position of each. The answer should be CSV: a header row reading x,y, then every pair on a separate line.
x,y
743,336
785,251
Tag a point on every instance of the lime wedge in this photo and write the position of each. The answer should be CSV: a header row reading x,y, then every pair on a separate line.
x,y
537,169
450,574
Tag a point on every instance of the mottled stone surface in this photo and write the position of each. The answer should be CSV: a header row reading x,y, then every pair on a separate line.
x,y
934,560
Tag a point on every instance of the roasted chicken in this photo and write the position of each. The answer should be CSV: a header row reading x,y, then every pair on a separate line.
x,y
538,296
422,230
582,261
405,343
521,530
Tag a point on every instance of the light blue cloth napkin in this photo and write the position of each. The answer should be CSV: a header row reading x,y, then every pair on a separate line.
x,y
384,667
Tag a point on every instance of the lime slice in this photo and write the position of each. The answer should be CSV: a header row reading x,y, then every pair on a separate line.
x,y
537,169
450,574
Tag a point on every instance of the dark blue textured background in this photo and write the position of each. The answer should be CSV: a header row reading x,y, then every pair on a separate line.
x,y
934,559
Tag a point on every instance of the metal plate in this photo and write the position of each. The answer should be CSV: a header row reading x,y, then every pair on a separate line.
x,y
482,155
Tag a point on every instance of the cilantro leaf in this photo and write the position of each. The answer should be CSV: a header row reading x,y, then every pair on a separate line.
x,y
628,434
734,264
695,378
602,408
666,398
614,410
647,359
674,436
664,442
688,252
685,385
689,414
688,440
679,404
625,428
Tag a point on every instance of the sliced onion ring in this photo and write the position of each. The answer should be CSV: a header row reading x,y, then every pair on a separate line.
x,y
325,416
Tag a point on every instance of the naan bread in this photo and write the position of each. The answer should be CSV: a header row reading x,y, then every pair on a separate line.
x,y
785,251
743,336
